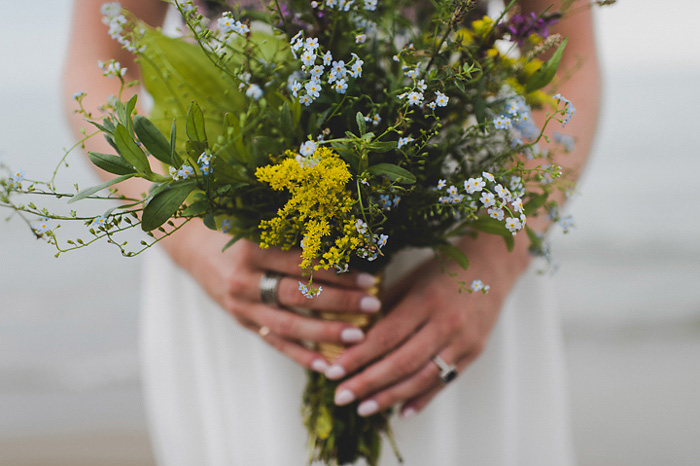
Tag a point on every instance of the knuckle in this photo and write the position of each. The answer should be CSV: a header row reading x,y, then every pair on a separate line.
x,y
403,366
384,341
235,283
285,324
289,295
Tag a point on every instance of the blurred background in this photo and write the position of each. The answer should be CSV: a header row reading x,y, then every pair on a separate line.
x,y
69,371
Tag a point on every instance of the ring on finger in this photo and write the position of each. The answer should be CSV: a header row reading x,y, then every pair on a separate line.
x,y
448,372
264,331
269,284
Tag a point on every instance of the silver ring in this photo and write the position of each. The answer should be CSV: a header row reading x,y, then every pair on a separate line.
x,y
269,283
448,372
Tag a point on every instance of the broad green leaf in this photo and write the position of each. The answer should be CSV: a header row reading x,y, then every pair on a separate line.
x,y
111,163
164,205
381,146
453,252
210,222
392,173
152,139
360,119
545,74
195,123
130,151
196,208
177,72
491,226
90,191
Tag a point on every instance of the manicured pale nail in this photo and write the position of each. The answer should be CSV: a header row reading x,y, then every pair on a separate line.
x,y
370,304
365,280
319,365
352,335
408,413
367,408
344,397
335,372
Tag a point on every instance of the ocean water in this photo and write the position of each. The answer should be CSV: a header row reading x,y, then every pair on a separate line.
x,y
627,280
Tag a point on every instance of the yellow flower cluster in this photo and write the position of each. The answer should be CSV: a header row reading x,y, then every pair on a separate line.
x,y
319,206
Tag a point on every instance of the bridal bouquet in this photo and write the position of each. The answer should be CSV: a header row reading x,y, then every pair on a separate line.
x,y
351,129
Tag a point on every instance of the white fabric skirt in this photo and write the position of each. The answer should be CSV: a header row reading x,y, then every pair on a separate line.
x,y
217,395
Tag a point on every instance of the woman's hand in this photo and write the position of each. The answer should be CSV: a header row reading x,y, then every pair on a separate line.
x,y
430,318
232,279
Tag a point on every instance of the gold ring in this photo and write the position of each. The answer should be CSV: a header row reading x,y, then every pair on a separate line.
x,y
264,331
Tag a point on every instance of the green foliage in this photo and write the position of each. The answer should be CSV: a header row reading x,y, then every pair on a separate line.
x,y
547,71
164,205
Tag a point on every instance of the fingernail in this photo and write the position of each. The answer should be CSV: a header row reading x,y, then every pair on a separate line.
x,y
352,335
344,397
319,365
366,280
370,304
367,408
335,372
408,413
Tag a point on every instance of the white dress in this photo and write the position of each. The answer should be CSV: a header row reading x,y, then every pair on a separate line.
x,y
218,395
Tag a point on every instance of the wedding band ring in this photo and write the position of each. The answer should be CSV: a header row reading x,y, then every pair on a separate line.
x,y
269,283
264,331
448,372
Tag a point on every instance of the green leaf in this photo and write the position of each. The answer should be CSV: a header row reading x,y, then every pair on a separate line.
x,y
196,209
453,252
545,74
111,163
382,146
164,205
360,119
175,160
491,226
90,191
130,106
534,203
130,151
210,222
392,173
152,139
195,123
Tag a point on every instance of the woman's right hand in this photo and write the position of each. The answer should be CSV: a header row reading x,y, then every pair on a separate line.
x,y
232,279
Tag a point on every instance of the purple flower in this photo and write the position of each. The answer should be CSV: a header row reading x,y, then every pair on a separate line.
x,y
521,26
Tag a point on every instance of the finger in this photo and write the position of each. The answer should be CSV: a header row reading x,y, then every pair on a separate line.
x,y
416,404
302,355
331,298
401,365
291,326
287,263
387,334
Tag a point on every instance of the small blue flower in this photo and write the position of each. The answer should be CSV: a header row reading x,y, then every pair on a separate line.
x,y
225,226
185,172
385,201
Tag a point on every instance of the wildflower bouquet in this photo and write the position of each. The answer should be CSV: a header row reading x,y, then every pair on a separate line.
x,y
350,128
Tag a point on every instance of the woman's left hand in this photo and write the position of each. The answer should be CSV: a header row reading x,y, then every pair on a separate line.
x,y
429,318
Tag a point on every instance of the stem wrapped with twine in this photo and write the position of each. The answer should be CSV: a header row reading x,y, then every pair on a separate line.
x,y
337,434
